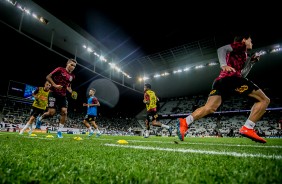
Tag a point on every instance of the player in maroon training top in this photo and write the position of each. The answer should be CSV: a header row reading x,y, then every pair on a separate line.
x,y
231,80
61,79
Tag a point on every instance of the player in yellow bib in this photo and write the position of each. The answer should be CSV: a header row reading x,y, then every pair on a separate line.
x,y
38,106
150,99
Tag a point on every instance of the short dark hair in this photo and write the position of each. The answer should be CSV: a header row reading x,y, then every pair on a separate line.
x,y
92,89
148,86
240,37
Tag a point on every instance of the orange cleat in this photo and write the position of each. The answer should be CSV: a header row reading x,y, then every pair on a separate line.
x,y
251,133
182,128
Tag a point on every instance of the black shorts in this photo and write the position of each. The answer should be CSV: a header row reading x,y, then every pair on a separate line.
x,y
36,111
231,86
152,115
90,118
57,101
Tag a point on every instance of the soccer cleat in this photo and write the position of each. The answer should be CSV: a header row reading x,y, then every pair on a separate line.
x,y
146,134
182,128
90,134
98,134
251,133
170,130
59,134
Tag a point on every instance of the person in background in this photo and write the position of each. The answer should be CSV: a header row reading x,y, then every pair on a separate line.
x,y
39,105
91,115
150,99
232,81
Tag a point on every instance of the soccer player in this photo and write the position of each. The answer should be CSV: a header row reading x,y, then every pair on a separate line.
x,y
91,115
38,106
61,79
150,99
231,80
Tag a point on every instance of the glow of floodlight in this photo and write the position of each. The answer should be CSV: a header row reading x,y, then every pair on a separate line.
x,y
43,20
89,49
27,11
34,15
13,2
200,66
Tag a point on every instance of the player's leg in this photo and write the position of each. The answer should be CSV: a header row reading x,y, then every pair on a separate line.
x,y
211,106
257,111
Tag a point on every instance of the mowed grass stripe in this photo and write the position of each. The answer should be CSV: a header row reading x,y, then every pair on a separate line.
x,y
154,141
234,154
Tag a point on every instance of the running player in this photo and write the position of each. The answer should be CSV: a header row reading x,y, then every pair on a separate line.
x,y
232,58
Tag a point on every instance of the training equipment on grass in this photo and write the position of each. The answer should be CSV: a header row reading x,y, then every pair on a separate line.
x,y
78,138
122,142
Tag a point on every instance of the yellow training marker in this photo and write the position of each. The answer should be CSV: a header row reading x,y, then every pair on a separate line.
x,y
122,142
78,138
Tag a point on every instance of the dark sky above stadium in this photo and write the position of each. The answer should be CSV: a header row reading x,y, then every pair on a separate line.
x,y
148,27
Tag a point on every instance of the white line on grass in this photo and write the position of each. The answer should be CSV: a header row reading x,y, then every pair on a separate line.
x,y
213,144
234,154
238,145
197,143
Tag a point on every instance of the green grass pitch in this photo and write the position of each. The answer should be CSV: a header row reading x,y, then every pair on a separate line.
x,y
153,160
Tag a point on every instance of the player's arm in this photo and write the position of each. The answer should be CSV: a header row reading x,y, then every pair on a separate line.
x,y
256,56
88,105
69,89
146,99
35,93
50,79
251,60
221,53
157,98
96,102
